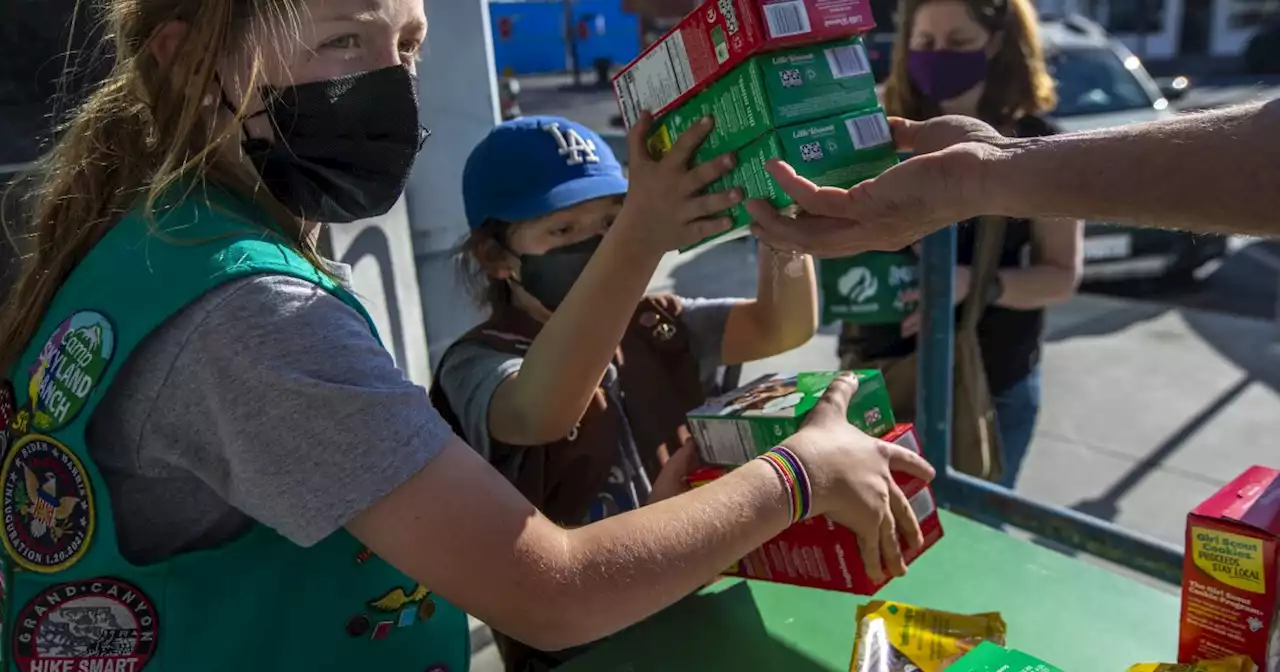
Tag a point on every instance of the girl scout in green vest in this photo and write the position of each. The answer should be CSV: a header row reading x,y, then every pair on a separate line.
x,y
210,462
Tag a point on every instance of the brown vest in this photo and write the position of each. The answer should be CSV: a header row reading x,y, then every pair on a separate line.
x,y
658,379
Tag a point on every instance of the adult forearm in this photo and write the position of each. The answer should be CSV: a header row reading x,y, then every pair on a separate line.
x,y
1213,172
625,568
562,368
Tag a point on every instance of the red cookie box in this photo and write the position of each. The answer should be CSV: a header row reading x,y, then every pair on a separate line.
x,y
1229,574
719,35
820,553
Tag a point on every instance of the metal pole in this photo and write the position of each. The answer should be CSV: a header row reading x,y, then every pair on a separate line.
x,y
571,42
936,347
461,110
992,504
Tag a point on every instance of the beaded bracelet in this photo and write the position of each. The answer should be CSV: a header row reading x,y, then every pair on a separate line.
x,y
793,475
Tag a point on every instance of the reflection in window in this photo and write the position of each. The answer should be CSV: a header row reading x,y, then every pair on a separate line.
x,y
1245,14
1095,81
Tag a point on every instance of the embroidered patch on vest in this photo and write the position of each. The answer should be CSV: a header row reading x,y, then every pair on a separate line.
x,y
68,369
418,602
48,505
358,626
8,410
94,624
408,608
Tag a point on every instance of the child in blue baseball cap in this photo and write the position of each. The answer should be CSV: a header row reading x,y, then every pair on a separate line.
x,y
577,386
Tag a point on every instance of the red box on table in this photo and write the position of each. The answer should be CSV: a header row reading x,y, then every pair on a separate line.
x,y
719,35
1229,573
820,553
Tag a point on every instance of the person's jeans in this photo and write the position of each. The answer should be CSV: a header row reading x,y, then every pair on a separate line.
x,y
1016,412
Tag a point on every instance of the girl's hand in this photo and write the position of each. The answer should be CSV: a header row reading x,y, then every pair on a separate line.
x,y
671,481
852,480
911,325
665,208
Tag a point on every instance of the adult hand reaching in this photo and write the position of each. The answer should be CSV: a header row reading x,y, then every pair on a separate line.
x,y
942,184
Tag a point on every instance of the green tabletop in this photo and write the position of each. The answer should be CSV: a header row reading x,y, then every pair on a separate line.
x,y
1079,617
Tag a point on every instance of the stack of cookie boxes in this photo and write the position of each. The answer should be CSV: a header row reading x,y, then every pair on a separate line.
x,y
787,79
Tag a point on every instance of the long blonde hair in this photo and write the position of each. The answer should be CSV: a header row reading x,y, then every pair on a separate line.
x,y
145,128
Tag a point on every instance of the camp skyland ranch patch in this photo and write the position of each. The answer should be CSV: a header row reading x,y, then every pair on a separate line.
x,y
68,369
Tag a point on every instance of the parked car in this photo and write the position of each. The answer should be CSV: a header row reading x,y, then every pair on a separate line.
x,y
1102,84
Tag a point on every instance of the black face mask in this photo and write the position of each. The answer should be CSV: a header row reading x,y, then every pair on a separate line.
x,y
549,276
343,147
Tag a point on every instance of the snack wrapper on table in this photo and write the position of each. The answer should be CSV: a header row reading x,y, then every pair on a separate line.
x,y
991,657
896,637
819,553
1232,664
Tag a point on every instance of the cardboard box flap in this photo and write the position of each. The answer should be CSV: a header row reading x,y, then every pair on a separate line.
x,y
1252,499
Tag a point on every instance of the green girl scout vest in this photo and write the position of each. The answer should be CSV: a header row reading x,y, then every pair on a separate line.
x,y
72,603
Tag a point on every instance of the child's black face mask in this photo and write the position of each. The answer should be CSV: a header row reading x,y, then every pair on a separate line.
x,y
549,276
343,147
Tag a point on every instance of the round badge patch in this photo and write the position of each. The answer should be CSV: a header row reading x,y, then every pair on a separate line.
x,y
47,503
94,624
68,368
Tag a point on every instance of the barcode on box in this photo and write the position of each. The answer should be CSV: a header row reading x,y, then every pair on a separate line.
x,y
849,61
811,151
922,504
725,442
869,130
787,18
791,77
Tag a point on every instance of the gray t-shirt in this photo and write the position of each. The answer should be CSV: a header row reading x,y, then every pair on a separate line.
x,y
267,399
470,374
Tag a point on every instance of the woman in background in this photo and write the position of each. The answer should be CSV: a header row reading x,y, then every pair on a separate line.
x,y
984,59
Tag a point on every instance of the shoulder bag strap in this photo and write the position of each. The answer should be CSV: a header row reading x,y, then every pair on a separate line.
x,y
989,239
